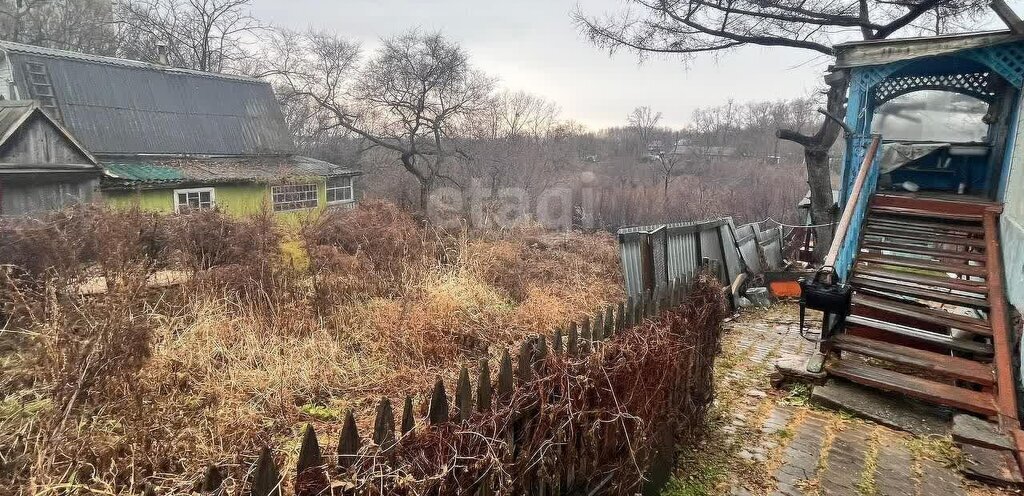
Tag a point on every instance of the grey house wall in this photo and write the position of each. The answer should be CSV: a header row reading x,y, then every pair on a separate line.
x,y
36,194
40,170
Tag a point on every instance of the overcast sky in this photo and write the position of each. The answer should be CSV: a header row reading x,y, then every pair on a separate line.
x,y
533,45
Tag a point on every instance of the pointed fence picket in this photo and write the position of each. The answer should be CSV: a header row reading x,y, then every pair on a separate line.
x,y
312,468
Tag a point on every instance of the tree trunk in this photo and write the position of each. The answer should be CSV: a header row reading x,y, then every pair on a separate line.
x,y
426,187
816,148
819,179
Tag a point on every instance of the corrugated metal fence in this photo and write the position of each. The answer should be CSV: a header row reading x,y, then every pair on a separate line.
x,y
654,255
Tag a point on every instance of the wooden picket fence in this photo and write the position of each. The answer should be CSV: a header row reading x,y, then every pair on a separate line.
x,y
330,472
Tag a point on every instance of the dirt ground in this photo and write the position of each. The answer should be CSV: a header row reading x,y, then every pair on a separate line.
x,y
768,441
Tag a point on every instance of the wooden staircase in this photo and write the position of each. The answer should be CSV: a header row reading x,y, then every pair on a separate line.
x,y
928,314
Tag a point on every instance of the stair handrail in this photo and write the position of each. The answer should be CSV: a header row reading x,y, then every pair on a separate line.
x,y
857,193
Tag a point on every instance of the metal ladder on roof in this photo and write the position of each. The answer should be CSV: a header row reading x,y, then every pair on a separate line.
x,y
41,88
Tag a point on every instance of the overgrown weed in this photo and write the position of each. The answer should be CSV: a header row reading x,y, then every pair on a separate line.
x,y
102,391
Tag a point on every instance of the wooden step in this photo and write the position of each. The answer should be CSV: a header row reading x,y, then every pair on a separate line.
x,y
921,293
934,392
950,342
898,233
949,205
939,282
916,263
925,361
928,252
935,227
926,214
925,314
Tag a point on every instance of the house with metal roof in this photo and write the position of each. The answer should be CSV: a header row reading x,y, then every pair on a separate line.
x,y
170,138
42,167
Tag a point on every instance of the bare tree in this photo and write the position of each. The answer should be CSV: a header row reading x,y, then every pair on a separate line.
x,y
413,97
688,28
80,25
206,35
643,121
509,142
667,163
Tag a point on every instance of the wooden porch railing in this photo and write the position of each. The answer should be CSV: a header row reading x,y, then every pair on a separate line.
x,y
847,233
999,319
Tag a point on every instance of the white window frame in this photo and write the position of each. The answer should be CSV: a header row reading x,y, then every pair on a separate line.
x,y
186,191
351,190
274,204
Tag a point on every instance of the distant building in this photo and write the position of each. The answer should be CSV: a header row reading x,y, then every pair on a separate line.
x,y
704,153
170,138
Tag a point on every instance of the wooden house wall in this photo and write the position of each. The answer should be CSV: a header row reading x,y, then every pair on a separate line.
x,y
22,194
39,143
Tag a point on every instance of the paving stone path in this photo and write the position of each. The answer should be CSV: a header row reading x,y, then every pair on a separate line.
x,y
780,445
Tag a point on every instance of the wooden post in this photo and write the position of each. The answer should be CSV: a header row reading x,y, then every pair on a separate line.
x,y
464,395
540,356
609,321
483,387
556,341
598,327
384,426
212,480
573,346
437,412
309,451
525,362
585,336
408,420
348,442
265,479
620,314
505,379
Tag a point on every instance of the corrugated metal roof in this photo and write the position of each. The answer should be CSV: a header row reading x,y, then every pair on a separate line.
x,y
142,172
136,170
118,106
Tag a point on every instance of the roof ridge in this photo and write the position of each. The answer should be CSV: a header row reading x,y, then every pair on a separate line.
x,y
12,46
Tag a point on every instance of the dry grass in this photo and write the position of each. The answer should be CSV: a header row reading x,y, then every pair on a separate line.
x,y
103,392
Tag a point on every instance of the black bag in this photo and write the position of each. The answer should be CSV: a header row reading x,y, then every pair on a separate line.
x,y
830,298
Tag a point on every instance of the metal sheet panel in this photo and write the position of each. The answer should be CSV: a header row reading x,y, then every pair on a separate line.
x,y
771,246
711,248
732,257
746,239
682,254
687,243
632,267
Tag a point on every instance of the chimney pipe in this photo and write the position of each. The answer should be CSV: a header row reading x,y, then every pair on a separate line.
x,y
161,53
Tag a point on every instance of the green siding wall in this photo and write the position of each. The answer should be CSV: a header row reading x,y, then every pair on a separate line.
x,y
234,199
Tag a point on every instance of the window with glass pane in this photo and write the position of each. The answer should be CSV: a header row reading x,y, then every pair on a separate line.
x,y
294,197
932,115
193,199
339,189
